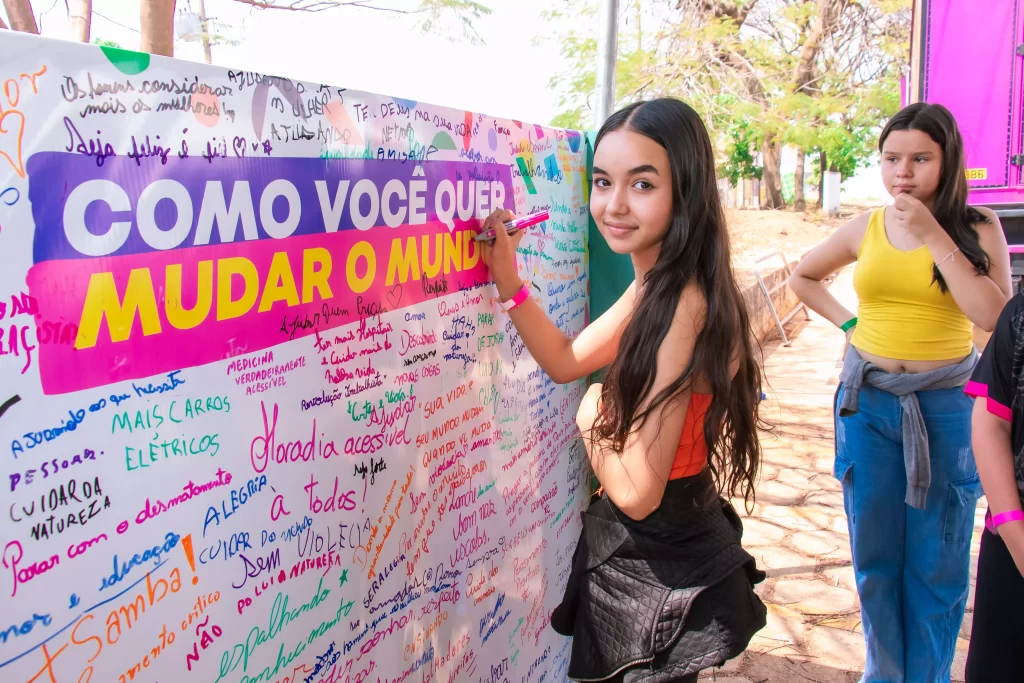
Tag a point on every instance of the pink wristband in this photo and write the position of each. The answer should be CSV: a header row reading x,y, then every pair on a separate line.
x,y
521,296
993,522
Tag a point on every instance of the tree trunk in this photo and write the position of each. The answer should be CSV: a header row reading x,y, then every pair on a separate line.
x,y
80,16
772,173
19,13
206,32
828,13
157,21
2,24
822,160
799,203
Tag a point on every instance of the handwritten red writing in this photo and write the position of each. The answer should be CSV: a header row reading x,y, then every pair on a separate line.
x,y
25,574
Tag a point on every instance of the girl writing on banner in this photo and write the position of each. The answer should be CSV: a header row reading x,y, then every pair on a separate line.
x,y
929,268
660,584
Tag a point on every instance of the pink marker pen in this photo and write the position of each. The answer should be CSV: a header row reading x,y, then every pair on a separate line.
x,y
518,224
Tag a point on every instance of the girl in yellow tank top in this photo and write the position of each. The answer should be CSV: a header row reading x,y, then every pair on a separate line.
x,y
929,268
901,313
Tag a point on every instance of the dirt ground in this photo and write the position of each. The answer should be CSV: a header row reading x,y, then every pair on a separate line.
x,y
757,234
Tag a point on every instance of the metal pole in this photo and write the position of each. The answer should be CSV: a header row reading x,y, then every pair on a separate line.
x,y
918,56
607,51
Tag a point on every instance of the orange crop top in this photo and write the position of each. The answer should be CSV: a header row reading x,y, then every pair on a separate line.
x,y
692,454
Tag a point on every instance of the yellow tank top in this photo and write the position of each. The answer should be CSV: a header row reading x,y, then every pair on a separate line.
x,y
901,314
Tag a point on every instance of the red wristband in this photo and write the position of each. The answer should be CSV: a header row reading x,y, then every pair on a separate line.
x,y
522,295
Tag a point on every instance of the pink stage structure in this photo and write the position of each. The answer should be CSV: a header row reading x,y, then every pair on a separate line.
x,y
968,56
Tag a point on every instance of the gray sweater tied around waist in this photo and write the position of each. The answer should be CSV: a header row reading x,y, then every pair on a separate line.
x,y
857,372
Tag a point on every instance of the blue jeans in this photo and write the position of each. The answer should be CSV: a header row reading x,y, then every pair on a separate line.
x,y
911,566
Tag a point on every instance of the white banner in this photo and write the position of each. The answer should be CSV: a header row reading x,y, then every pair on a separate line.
x,y
262,418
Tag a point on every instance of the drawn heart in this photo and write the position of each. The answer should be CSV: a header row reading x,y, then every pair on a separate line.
x,y
239,144
394,296
19,166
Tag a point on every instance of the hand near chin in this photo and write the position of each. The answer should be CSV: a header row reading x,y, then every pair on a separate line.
x,y
913,216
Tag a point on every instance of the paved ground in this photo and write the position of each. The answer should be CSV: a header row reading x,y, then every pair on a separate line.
x,y
798,530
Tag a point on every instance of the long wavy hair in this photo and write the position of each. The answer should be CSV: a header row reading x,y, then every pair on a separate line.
x,y
695,249
951,210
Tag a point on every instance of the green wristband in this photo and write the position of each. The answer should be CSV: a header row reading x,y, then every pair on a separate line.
x,y
845,327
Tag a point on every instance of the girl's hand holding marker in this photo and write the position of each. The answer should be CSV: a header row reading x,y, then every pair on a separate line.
x,y
513,226
499,252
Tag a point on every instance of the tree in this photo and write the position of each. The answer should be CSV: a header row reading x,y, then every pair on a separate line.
x,y
697,55
430,11
805,74
794,71
855,88
80,17
205,24
740,161
636,49
728,17
156,19
777,58
19,13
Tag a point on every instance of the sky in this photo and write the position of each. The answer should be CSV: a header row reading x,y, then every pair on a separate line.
x,y
369,50
386,53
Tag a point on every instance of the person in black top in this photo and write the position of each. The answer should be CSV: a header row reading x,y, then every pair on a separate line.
x,y
996,653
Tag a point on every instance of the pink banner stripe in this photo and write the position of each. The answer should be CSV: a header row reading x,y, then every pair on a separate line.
x,y
61,287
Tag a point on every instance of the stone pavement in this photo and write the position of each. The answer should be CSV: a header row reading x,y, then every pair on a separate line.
x,y
797,530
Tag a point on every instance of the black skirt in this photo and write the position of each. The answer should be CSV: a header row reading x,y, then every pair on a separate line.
x,y
660,598
996,654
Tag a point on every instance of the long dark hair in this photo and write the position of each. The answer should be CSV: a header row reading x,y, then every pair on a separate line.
x,y
951,210
695,249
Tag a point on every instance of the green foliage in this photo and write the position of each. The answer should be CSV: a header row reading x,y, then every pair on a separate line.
x,y
577,84
739,153
466,12
468,8
738,63
573,119
102,42
846,150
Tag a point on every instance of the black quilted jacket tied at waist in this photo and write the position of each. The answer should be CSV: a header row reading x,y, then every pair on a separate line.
x,y
659,598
